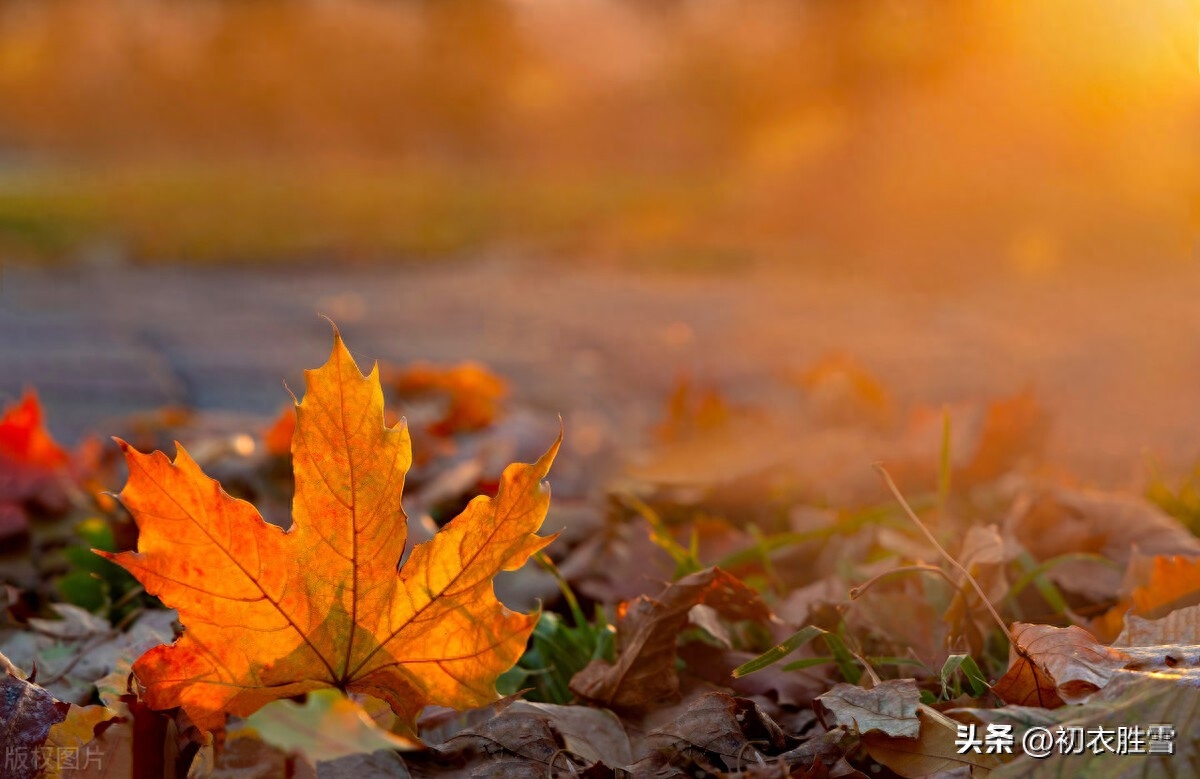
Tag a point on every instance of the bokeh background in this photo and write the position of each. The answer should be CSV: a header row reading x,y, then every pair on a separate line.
x,y
596,197
1018,135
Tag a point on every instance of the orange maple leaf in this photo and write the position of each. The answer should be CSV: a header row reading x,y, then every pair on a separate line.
x,y
270,614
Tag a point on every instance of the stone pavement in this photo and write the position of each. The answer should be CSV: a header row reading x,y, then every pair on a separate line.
x,y
1115,358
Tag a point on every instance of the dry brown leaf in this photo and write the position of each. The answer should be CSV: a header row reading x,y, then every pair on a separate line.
x,y
1129,700
27,713
1067,661
888,708
527,740
1057,521
1181,628
644,669
1026,684
718,727
934,751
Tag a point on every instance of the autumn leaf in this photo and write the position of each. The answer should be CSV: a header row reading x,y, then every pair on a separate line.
x,y
270,614
326,726
644,669
31,464
933,752
1174,583
27,713
889,708
473,394
1050,665
24,440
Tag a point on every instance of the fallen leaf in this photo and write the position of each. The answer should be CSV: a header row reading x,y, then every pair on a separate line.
x,y
24,441
328,725
1026,684
593,734
715,728
889,708
380,764
243,756
1174,583
270,614
527,740
32,467
932,752
1068,661
473,394
67,741
27,713
644,668
77,662
1053,522
1181,628
984,556
1129,700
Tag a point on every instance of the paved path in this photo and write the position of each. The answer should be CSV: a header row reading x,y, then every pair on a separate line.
x,y
1115,359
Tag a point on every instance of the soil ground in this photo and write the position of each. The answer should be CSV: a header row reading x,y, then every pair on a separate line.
x,y
1114,357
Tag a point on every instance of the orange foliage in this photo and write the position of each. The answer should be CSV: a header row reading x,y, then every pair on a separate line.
x,y
473,394
24,440
272,614
1174,583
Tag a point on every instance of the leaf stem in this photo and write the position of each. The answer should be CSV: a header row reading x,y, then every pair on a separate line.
x,y
891,485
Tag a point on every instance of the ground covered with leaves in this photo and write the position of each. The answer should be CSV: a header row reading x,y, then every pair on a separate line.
x,y
342,592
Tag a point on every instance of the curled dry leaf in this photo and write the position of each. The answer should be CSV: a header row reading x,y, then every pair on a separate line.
x,y
270,614
1067,664
644,669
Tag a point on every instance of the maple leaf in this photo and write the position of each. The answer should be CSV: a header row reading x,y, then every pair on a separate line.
x,y
270,614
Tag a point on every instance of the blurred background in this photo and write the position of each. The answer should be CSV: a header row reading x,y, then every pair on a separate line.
x,y
598,196
1018,135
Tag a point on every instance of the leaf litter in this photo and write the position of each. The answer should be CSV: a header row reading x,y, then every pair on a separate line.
x,y
744,599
